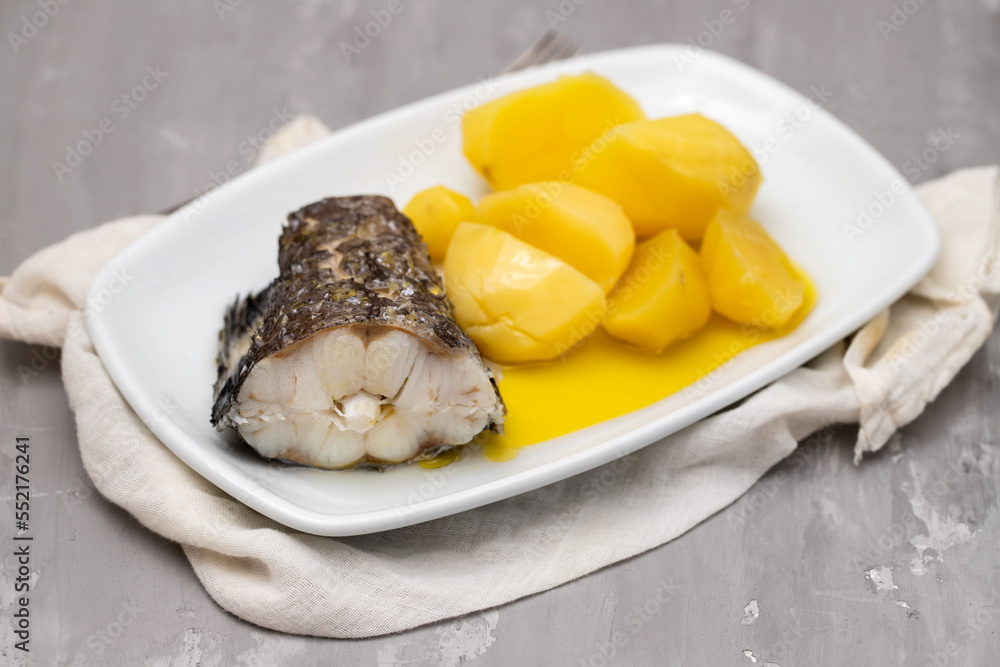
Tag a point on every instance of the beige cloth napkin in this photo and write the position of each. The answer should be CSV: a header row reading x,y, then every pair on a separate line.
x,y
376,584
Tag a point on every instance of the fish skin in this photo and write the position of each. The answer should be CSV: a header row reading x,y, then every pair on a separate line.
x,y
242,318
342,261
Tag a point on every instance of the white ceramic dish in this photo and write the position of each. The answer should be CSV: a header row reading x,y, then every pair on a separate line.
x,y
158,336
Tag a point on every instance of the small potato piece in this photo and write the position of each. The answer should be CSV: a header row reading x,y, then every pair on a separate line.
x,y
750,278
672,172
536,134
662,297
436,212
518,303
584,229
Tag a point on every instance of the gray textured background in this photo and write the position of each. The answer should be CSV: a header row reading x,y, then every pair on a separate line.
x,y
801,549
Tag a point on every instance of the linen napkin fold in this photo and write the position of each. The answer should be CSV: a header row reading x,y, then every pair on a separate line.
x,y
376,584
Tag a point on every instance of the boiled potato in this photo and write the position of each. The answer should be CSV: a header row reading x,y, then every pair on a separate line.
x,y
662,297
537,134
518,303
672,173
436,212
750,278
586,230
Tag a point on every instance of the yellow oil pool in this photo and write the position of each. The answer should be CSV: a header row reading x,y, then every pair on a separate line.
x,y
605,378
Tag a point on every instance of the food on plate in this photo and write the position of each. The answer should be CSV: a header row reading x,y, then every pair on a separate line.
x,y
584,229
351,356
436,212
356,356
663,296
750,278
672,172
537,134
517,302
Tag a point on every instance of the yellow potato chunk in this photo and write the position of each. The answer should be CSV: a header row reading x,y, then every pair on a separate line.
x,y
536,134
518,303
584,229
436,212
672,173
663,296
750,278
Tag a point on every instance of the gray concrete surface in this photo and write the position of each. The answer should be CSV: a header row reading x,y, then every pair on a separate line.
x,y
893,562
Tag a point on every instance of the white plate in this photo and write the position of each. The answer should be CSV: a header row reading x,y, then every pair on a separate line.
x,y
158,336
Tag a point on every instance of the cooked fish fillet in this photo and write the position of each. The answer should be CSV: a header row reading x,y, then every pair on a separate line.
x,y
352,356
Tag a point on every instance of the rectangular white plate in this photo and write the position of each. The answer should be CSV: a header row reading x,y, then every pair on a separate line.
x,y
158,337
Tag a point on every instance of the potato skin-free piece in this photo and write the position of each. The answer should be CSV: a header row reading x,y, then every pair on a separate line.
x,y
586,230
750,278
537,134
663,296
436,212
518,303
672,172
